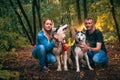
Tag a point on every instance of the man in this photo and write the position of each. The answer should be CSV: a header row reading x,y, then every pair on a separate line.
x,y
95,49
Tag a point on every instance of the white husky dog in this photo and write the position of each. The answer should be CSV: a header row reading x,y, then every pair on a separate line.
x,y
80,41
58,49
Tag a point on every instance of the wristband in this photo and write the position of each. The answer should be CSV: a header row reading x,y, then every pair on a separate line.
x,y
90,49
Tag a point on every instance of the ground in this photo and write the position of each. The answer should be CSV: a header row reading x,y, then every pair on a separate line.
x,y
28,67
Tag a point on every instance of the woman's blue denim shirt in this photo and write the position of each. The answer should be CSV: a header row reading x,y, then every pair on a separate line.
x,y
42,40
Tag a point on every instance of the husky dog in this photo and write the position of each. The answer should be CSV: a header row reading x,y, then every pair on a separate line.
x,y
58,49
80,41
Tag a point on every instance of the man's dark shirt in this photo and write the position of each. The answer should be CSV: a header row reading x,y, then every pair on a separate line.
x,y
95,37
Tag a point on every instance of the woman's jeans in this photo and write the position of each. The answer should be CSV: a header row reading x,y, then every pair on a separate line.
x,y
98,57
45,58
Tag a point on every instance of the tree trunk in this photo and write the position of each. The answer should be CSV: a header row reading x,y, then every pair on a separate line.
x,y
39,13
85,9
78,12
26,18
116,24
34,20
68,15
36,8
31,33
21,22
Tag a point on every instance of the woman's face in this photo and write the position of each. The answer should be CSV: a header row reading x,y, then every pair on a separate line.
x,y
48,25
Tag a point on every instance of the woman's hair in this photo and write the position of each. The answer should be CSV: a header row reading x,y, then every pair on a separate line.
x,y
48,19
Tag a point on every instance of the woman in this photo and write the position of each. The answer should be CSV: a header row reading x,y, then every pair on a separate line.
x,y
44,46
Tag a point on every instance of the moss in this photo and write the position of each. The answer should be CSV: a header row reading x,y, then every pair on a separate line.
x,y
15,76
4,75
7,75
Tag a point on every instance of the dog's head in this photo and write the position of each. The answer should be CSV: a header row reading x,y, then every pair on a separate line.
x,y
61,30
80,36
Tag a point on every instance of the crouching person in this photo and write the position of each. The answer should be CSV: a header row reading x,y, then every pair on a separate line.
x,y
96,49
44,45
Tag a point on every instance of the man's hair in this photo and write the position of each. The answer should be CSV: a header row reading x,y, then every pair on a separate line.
x,y
90,19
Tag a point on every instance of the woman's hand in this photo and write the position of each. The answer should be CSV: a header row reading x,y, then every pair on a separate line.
x,y
56,37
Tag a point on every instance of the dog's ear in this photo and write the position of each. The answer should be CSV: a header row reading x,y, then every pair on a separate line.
x,y
76,31
56,29
62,29
83,31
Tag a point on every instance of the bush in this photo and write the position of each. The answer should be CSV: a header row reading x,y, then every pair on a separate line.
x,y
110,37
9,40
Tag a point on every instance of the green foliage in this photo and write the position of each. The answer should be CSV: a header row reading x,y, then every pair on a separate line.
x,y
7,75
13,53
11,40
4,74
2,57
9,35
100,10
1,66
110,37
61,11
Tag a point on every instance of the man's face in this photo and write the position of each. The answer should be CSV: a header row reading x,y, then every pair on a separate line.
x,y
89,24
48,25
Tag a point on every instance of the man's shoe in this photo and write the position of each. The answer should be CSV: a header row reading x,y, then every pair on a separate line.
x,y
45,69
105,65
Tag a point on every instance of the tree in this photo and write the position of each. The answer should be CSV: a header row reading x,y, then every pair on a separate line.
x,y
31,30
78,12
116,24
36,8
85,9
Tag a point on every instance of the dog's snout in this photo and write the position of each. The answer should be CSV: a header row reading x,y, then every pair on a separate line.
x,y
79,39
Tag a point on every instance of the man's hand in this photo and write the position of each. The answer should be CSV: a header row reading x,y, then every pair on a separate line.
x,y
85,48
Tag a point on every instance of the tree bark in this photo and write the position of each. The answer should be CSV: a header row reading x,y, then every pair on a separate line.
x,y
78,12
34,21
39,13
85,9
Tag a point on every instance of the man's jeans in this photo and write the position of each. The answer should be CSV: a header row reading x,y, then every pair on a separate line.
x,y
44,58
98,57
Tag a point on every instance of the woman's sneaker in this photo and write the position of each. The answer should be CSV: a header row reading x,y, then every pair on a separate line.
x,y
45,69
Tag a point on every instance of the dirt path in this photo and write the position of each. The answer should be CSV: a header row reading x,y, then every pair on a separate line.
x,y
28,67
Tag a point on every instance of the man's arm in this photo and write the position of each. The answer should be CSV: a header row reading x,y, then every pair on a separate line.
x,y
95,49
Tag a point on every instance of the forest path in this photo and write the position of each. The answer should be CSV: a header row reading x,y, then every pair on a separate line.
x,y
28,67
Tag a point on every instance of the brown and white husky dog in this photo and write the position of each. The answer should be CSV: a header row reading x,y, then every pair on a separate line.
x,y
58,49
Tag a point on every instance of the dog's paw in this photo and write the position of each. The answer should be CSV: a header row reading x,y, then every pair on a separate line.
x,y
65,69
91,68
59,69
77,70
